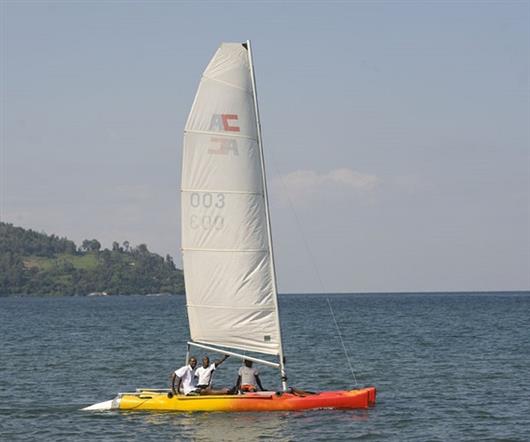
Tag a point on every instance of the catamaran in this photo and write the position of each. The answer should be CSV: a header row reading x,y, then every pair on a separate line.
x,y
228,259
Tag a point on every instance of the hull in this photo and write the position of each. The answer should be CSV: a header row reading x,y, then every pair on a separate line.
x,y
263,401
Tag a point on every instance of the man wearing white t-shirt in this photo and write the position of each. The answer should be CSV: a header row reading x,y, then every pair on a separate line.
x,y
185,378
204,375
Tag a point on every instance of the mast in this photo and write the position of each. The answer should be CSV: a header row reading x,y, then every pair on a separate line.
x,y
267,214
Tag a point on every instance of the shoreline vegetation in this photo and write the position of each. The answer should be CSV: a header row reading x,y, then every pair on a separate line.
x,y
37,264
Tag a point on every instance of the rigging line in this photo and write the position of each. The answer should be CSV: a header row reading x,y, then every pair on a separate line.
x,y
317,273
342,341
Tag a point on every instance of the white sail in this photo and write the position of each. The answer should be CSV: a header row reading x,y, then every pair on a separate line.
x,y
228,271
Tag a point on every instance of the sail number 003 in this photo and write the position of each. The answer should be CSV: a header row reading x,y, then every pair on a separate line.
x,y
207,200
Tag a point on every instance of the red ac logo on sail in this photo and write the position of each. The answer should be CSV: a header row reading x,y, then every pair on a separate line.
x,y
223,123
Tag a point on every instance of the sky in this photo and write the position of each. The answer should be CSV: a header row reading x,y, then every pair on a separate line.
x,y
396,134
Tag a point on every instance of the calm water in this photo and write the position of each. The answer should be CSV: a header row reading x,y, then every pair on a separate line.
x,y
447,367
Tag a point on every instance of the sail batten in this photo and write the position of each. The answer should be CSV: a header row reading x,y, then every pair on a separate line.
x,y
218,134
226,250
243,192
229,276
239,307
236,86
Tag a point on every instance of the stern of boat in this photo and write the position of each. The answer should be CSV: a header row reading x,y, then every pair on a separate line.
x,y
371,394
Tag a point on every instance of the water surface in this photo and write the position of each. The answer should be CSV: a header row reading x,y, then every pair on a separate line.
x,y
446,366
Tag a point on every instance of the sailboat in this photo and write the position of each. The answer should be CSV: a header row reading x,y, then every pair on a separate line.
x,y
228,259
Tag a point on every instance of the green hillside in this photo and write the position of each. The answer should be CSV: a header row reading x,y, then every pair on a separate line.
x,y
36,263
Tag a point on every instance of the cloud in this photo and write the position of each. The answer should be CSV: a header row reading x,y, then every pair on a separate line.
x,y
302,185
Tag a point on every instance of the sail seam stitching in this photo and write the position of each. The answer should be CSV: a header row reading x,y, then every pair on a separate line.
x,y
184,249
239,192
219,134
231,307
226,83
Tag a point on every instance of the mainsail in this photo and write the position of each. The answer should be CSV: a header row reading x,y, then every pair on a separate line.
x,y
227,253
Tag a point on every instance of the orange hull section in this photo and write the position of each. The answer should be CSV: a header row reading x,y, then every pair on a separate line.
x,y
289,402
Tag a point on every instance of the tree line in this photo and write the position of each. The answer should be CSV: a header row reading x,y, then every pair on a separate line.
x,y
37,263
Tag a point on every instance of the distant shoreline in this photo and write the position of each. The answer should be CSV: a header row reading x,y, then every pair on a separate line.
x,y
34,295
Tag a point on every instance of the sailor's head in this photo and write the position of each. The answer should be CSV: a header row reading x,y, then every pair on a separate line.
x,y
205,362
248,363
192,361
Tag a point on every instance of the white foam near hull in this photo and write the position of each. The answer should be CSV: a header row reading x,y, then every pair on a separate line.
x,y
103,406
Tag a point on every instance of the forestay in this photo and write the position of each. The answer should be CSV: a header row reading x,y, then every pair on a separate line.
x,y
228,271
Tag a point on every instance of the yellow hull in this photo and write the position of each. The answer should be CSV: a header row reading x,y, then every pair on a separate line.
x,y
263,401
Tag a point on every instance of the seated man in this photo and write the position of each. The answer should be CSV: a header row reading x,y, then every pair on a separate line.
x,y
185,377
248,378
204,375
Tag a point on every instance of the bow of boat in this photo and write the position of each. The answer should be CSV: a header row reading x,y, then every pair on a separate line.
x,y
113,404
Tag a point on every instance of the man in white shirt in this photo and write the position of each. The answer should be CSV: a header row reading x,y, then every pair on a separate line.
x,y
204,375
185,379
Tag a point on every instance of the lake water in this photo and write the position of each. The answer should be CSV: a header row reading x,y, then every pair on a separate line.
x,y
446,366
